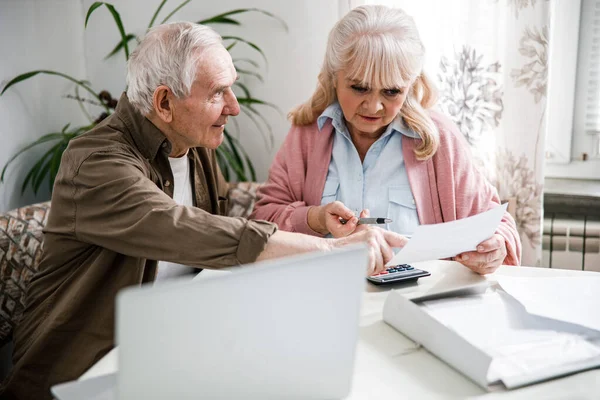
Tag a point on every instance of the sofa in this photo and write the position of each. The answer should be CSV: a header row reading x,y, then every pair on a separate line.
x,y
21,239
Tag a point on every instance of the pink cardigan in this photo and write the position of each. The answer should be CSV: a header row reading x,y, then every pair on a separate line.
x,y
446,187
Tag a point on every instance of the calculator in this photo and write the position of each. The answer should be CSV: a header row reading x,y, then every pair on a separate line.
x,y
398,273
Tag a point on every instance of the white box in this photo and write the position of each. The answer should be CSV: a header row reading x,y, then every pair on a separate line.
x,y
454,334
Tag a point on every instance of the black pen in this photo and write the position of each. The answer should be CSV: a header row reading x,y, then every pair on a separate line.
x,y
370,221
373,221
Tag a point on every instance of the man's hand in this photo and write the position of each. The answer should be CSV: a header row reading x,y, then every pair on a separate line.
x,y
489,255
379,242
326,219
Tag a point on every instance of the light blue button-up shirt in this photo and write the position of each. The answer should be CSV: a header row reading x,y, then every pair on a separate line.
x,y
380,183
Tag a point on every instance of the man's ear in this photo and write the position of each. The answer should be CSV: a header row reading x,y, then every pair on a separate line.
x,y
162,102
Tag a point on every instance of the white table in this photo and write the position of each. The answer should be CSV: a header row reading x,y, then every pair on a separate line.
x,y
389,366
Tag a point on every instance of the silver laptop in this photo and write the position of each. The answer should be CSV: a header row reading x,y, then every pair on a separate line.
x,y
281,329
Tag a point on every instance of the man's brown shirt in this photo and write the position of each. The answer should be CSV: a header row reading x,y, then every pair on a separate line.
x,y
112,216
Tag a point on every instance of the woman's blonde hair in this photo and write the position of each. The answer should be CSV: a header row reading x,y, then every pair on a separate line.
x,y
378,46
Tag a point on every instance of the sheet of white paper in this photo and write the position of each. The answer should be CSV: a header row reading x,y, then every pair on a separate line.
x,y
450,279
573,299
436,241
522,345
99,388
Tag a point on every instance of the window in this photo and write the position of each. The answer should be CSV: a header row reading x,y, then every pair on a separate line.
x,y
573,141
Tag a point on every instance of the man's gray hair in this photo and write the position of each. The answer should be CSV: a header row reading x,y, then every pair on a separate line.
x,y
168,55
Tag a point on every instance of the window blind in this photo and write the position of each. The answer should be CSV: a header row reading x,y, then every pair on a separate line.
x,y
587,96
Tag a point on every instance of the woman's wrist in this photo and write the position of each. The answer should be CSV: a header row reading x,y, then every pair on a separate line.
x,y
315,221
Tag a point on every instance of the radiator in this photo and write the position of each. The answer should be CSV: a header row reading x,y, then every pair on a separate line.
x,y
571,242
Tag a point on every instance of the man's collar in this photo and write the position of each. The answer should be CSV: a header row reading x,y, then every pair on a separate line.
x,y
336,115
147,137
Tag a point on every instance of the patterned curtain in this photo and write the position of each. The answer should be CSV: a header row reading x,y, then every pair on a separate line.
x,y
490,60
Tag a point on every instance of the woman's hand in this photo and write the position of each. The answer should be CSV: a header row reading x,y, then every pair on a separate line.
x,y
489,255
379,242
328,219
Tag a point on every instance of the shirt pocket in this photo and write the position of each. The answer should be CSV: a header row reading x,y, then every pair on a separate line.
x,y
402,210
401,195
330,191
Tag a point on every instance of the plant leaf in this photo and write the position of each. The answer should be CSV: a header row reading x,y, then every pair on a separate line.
x,y
245,10
225,152
219,20
243,87
222,163
237,125
174,11
160,6
249,61
80,130
32,175
43,139
30,74
231,46
264,120
128,38
81,106
18,79
251,100
234,162
119,23
117,19
250,166
253,114
236,143
254,46
31,172
234,151
42,172
252,73
253,118
91,10
55,162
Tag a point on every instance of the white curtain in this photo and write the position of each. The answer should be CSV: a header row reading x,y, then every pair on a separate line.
x,y
489,59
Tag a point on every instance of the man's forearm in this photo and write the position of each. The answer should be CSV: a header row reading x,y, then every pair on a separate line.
x,y
283,243
379,242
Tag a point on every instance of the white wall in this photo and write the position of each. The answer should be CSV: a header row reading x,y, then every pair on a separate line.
x,y
35,35
294,60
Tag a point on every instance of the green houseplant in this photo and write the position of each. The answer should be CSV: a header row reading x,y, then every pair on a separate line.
x,y
233,159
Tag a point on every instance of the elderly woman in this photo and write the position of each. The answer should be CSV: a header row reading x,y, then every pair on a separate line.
x,y
368,139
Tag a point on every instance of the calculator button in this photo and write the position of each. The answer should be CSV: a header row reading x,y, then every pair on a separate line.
x,y
401,273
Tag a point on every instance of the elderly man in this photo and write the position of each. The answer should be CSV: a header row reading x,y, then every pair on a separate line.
x,y
143,186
